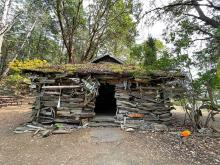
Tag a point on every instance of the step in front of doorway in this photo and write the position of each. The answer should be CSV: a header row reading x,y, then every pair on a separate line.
x,y
103,124
103,118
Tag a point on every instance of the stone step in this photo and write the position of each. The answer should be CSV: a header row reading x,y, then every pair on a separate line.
x,y
103,124
103,119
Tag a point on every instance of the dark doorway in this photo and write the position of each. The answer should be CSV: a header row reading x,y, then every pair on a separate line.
x,y
106,102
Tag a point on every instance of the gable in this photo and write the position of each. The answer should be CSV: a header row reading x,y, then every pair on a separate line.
x,y
108,59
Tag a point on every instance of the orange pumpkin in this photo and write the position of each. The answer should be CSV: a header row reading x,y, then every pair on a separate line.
x,y
185,133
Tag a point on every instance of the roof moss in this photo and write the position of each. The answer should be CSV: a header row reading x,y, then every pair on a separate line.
x,y
91,68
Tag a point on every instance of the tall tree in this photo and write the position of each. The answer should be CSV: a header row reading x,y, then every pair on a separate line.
x,y
33,35
88,30
107,20
147,53
193,29
69,14
4,24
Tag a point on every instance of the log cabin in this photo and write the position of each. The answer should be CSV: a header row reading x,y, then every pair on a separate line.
x,y
104,92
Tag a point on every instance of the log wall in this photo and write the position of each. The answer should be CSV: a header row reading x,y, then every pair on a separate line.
x,y
65,99
142,105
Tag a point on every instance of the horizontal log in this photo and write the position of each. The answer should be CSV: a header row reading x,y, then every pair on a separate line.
x,y
90,106
122,97
162,111
62,87
141,80
47,81
121,94
49,103
166,115
166,119
151,88
61,75
64,113
134,121
147,108
65,98
87,109
85,115
76,111
62,104
143,95
63,109
59,131
103,124
122,103
45,113
71,105
128,109
146,100
147,104
65,120
51,93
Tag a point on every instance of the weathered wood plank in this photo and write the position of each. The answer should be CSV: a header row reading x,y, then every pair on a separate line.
x,y
62,87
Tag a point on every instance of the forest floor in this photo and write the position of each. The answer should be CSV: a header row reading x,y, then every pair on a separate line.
x,y
99,146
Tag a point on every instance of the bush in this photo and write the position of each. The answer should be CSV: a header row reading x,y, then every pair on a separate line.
x,y
17,65
16,80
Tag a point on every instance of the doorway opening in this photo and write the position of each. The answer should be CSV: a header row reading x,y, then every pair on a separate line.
x,y
106,102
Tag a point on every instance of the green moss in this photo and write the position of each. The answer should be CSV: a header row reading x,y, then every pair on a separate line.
x,y
28,64
131,70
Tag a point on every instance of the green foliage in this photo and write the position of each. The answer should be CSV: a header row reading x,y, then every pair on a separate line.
x,y
16,79
118,25
152,55
218,69
217,77
27,64
145,53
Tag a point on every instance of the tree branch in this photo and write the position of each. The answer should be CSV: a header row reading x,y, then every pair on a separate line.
x,y
203,17
196,5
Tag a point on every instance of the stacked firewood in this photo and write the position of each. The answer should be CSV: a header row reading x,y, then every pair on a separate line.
x,y
63,99
139,105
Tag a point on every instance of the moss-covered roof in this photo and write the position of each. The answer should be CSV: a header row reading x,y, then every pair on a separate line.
x,y
107,68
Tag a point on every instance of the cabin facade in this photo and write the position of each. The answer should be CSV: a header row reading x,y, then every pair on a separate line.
x,y
84,93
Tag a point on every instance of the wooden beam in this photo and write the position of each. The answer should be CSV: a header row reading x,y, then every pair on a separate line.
x,y
61,87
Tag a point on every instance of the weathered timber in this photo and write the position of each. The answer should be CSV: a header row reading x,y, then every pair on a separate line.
x,y
66,120
47,81
62,87
71,97
122,103
64,113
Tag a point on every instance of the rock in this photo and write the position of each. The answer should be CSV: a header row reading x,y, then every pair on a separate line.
x,y
159,127
129,130
145,126
205,131
46,133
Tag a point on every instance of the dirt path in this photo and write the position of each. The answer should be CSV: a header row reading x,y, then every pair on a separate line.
x,y
98,146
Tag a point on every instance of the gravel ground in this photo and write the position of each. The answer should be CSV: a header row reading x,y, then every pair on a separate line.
x,y
99,146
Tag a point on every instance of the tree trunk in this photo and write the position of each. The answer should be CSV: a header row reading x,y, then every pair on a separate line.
x,y
1,42
7,5
5,73
71,56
